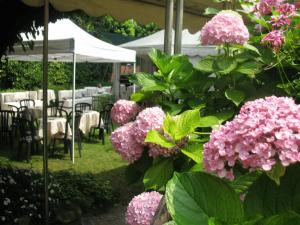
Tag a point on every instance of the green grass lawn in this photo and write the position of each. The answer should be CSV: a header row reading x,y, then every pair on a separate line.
x,y
100,160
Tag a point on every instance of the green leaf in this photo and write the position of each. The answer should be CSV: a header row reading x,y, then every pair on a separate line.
x,y
156,137
224,65
276,173
137,97
185,123
251,48
211,11
192,198
193,151
169,125
224,115
161,60
196,168
249,68
266,198
158,174
236,96
170,223
206,64
243,182
289,218
208,121
149,82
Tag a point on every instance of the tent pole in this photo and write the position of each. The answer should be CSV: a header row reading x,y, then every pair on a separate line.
x,y
134,71
168,27
73,107
116,84
45,102
178,26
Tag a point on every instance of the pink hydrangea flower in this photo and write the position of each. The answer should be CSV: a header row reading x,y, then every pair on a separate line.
x,y
148,119
142,208
279,21
124,111
275,38
265,7
225,27
157,150
264,132
287,9
125,143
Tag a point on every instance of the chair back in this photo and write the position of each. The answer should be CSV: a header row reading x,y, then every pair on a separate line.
x,y
26,128
52,111
83,106
23,112
78,115
27,102
105,115
6,119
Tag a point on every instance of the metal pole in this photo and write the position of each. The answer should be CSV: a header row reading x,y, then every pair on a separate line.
x,y
116,81
178,26
73,106
134,71
168,27
45,102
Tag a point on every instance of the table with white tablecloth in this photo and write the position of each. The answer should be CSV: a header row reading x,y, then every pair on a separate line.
x,y
89,119
56,125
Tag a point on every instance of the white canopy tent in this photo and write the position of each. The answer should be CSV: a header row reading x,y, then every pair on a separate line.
x,y
190,45
69,43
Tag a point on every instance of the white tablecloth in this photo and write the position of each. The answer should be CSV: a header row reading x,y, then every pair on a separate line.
x,y
88,120
56,125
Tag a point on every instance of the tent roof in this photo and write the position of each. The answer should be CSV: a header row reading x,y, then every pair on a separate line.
x,y
66,38
190,44
143,11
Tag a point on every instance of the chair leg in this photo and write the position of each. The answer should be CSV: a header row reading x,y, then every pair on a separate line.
x,y
53,145
19,150
28,148
70,148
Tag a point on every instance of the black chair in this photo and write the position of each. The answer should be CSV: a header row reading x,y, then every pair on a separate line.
x,y
62,137
6,131
83,106
28,137
78,133
105,123
27,102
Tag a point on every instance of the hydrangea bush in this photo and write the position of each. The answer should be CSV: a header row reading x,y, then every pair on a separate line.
x,y
123,111
265,131
142,208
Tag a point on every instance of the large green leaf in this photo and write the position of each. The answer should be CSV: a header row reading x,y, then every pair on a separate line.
x,y
224,65
149,82
193,151
249,67
267,198
158,174
224,115
169,125
186,123
243,182
193,198
156,137
208,121
236,96
289,218
161,60
206,64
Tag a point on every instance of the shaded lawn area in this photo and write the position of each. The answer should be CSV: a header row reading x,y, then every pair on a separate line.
x,y
100,160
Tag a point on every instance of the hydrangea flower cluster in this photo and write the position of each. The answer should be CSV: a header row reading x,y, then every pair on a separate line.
x,y
279,21
124,111
148,119
123,140
142,208
275,38
287,9
264,132
265,7
157,150
225,27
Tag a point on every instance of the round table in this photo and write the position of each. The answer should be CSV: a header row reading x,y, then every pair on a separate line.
x,y
56,125
89,119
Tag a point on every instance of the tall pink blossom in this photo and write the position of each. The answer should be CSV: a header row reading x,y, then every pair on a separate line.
x,y
279,21
264,132
274,38
124,111
265,7
125,144
287,9
225,27
142,208
148,119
